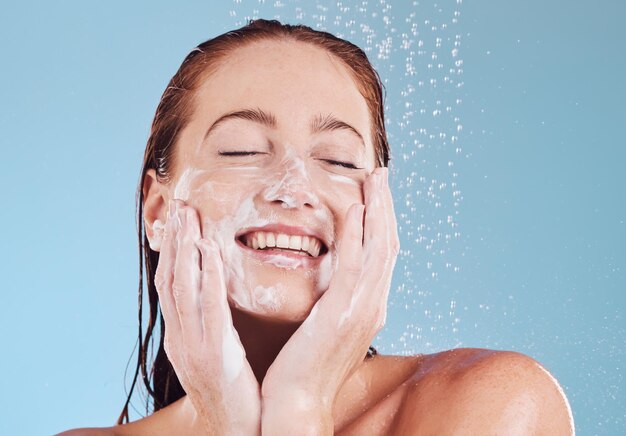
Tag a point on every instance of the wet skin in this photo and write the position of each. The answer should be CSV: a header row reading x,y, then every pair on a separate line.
x,y
262,344
316,360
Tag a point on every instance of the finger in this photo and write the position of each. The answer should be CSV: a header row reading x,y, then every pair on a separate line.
x,y
380,232
213,295
392,224
350,254
373,228
393,244
381,244
164,275
390,233
217,322
185,285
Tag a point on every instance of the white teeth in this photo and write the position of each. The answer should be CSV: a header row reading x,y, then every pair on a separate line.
x,y
261,240
261,237
270,240
295,242
282,240
315,249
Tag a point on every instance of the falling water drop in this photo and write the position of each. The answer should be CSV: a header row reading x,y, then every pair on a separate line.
x,y
418,52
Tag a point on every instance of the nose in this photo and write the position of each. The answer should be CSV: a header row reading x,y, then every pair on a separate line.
x,y
292,188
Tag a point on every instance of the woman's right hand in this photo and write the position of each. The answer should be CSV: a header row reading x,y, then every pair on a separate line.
x,y
200,339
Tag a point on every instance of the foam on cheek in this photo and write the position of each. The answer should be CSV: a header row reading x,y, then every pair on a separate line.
x,y
222,192
343,179
322,215
223,232
183,186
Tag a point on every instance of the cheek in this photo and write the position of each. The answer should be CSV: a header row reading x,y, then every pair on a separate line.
x,y
339,192
344,187
217,194
349,188
216,200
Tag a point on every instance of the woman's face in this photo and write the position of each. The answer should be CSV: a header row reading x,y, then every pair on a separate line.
x,y
276,151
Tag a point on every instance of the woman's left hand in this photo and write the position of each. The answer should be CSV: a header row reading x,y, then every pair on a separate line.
x,y
301,385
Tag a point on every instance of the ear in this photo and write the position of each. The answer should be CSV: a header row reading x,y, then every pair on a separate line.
x,y
155,205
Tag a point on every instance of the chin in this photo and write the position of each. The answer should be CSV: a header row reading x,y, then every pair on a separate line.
x,y
269,287
277,295
286,314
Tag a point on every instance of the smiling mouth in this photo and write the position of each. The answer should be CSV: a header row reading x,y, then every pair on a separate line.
x,y
306,246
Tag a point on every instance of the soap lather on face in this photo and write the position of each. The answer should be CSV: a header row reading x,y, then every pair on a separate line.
x,y
296,174
292,189
237,210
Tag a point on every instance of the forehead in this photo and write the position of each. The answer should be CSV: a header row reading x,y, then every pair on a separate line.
x,y
293,80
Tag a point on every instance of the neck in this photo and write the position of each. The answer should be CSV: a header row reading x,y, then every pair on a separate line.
x,y
262,339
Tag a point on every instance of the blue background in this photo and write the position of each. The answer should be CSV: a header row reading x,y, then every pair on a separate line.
x,y
506,123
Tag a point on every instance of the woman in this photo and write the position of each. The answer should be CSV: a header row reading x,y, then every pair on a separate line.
x,y
266,207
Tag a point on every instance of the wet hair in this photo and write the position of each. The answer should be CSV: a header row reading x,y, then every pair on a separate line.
x,y
172,115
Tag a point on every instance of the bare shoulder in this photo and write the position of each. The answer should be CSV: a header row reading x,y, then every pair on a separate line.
x,y
482,391
173,419
136,428
93,431
143,426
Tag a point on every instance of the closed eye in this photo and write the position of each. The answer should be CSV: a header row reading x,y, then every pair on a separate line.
x,y
342,164
252,153
239,153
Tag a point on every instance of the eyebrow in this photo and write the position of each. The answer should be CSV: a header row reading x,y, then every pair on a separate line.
x,y
319,124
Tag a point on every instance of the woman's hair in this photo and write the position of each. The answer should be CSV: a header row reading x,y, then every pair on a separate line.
x,y
172,115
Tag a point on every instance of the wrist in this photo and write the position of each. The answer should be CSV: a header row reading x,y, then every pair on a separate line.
x,y
217,422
